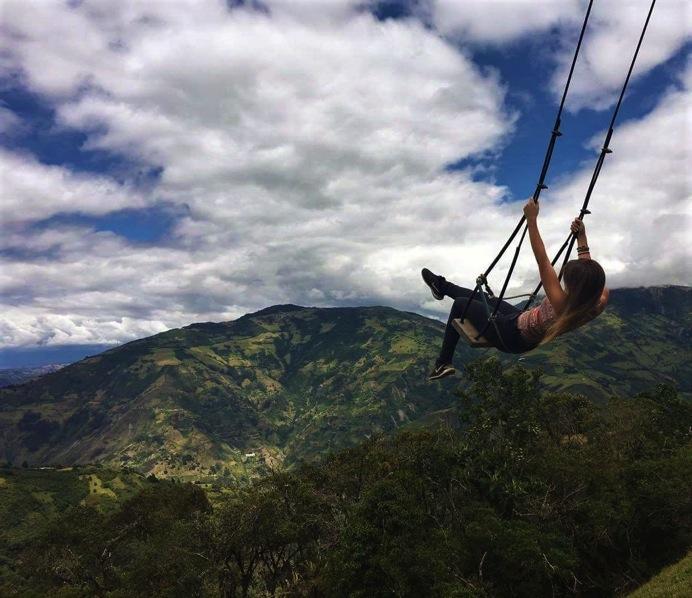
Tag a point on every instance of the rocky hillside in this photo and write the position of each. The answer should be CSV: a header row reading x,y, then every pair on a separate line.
x,y
228,400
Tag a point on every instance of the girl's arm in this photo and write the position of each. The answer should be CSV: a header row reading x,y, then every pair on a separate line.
x,y
579,230
603,301
583,253
549,278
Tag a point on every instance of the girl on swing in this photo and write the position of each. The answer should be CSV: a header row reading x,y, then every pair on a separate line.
x,y
583,298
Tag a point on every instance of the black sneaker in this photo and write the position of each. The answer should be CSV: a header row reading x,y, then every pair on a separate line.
x,y
441,371
433,281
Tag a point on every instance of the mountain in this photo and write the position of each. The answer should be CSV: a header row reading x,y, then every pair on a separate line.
x,y
643,338
230,400
10,376
226,399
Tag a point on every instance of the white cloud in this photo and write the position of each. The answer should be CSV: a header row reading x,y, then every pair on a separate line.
x,y
298,148
311,154
34,191
642,203
33,326
93,287
315,11
609,45
502,21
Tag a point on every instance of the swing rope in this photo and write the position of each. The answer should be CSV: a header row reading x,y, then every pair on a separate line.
x,y
605,150
482,280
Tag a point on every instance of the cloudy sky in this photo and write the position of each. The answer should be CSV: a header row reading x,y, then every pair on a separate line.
x,y
173,161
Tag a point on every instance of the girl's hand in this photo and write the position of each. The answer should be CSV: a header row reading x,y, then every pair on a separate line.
x,y
577,227
531,210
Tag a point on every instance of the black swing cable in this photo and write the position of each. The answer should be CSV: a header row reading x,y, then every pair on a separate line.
x,y
569,242
482,280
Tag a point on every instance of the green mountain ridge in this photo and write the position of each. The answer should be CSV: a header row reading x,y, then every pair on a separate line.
x,y
230,400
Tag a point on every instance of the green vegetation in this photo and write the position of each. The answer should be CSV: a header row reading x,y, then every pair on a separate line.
x,y
284,384
642,339
675,580
289,384
31,498
529,493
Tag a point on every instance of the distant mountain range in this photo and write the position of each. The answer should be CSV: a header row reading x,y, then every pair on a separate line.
x,y
232,399
10,376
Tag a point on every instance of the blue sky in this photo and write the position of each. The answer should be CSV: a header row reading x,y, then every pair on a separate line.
x,y
163,170
519,162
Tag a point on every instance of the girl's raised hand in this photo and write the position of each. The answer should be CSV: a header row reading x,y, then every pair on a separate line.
x,y
531,209
577,227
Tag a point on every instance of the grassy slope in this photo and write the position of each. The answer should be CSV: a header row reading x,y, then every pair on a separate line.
x,y
674,581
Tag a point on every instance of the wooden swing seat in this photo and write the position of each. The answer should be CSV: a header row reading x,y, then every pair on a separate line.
x,y
468,332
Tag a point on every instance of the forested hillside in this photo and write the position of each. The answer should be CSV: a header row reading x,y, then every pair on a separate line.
x,y
532,494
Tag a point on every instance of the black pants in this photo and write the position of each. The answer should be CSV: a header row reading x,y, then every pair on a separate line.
x,y
509,339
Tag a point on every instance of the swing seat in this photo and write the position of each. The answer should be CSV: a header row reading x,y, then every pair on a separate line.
x,y
469,333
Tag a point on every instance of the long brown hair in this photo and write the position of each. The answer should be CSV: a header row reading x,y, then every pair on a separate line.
x,y
584,284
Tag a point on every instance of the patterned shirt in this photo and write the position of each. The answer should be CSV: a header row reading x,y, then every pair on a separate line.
x,y
534,323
